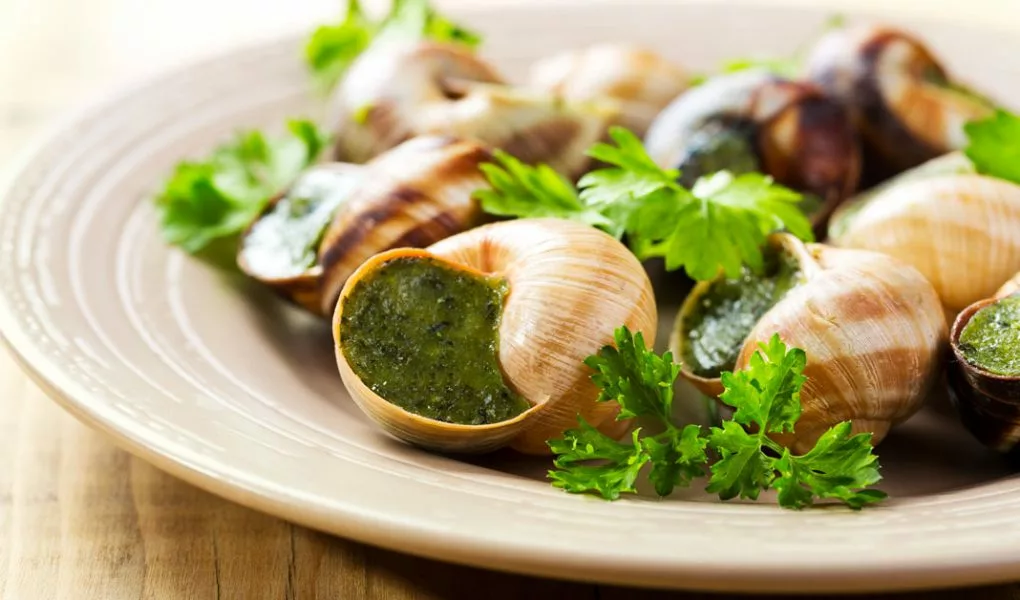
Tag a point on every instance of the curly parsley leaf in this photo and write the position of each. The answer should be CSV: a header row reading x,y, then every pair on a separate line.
x,y
677,457
331,49
642,384
216,198
993,145
839,466
618,468
639,380
766,399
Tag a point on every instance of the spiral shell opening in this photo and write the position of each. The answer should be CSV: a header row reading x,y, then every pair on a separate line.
x,y
874,334
569,287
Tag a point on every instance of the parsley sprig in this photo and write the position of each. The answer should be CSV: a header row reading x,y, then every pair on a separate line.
x,y
720,224
332,48
766,399
217,197
993,145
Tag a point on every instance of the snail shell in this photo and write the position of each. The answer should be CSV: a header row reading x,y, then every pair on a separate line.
x,y
988,403
872,329
642,81
754,121
395,92
961,230
570,287
414,195
1010,287
906,106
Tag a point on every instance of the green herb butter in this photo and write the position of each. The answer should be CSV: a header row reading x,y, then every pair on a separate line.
x,y
718,145
715,330
285,241
425,336
991,339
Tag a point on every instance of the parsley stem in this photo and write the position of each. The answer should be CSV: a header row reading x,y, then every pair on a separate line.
x,y
770,443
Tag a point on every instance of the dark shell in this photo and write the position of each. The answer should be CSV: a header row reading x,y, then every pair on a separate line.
x,y
988,404
756,121
904,103
411,196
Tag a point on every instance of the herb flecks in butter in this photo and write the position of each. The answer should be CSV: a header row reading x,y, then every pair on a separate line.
x,y
991,339
425,337
714,332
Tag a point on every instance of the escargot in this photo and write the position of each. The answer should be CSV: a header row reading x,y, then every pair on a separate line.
x,y
871,326
984,369
311,237
398,91
642,81
478,341
908,108
960,229
755,121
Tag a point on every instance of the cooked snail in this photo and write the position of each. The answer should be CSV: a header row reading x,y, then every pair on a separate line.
x,y
642,81
871,326
393,93
477,342
312,237
754,121
984,371
907,107
960,229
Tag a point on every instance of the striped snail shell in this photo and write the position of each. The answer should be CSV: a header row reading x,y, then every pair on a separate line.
x,y
568,287
395,92
960,229
313,236
756,121
871,326
908,108
642,81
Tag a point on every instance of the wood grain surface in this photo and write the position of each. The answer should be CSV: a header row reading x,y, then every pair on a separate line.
x,y
80,518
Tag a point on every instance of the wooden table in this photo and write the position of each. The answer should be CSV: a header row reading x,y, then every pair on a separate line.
x,y
80,518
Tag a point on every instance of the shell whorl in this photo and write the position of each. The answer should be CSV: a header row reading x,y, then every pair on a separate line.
x,y
874,336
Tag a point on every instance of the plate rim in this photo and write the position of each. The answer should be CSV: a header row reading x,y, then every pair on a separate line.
x,y
364,527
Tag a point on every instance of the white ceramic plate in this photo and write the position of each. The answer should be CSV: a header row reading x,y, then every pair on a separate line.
x,y
213,379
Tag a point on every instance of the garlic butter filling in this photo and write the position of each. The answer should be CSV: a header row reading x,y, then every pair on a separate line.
x,y
425,336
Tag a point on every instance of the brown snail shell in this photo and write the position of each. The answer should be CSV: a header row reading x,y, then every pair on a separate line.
x,y
756,121
872,329
642,81
570,287
907,107
414,195
960,229
395,92
988,403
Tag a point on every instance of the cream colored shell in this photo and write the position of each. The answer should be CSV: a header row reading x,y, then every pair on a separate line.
x,y
643,81
873,331
961,231
570,287
1011,287
395,92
